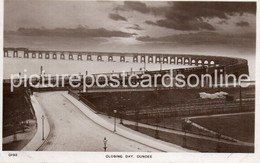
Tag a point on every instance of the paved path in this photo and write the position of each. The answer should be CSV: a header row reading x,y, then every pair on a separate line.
x,y
220,115
23,138
71,130
188,134
124,131
38,140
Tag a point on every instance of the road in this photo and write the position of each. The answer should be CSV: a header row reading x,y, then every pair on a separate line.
x,y
71,130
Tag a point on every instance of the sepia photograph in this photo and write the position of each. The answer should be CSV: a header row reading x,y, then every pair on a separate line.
x,y
129,76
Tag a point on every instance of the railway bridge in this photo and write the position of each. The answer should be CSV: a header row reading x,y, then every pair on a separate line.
x,y
225,65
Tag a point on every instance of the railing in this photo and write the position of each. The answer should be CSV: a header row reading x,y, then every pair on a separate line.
x,y
81,98
92,106
72,93
188,110
27,96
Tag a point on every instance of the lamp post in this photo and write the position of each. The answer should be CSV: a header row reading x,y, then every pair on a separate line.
x,y
136,119
43,127
115,111
120,114
184,128
240,97
160,63
157,125
121,117
105,144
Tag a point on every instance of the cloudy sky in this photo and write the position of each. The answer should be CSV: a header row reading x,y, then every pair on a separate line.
x,y
145,26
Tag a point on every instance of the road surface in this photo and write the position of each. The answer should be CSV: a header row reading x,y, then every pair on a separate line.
x,y
71,130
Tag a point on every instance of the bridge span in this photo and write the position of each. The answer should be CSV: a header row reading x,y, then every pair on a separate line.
x,y
231,65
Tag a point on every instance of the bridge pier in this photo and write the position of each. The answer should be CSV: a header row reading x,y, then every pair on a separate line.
x,y
54,56
47,56
71,57
158,59
89,58
172,60
224,74
99,58
193,62
186,61
150,59
143,59
26,55
190,61
212,64
199,63
165,60
110,58
182,60
33,55
206,63
5,53
203,62
40,55
122,58
15,54
135,59
79,57
179,60
62,56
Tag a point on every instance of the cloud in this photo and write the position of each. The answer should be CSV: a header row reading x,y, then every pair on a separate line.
x,y
70,32
150,22
117,17
137,6
135,27
222,22
205,38
242,24
141,7
191,15
191,10
182,25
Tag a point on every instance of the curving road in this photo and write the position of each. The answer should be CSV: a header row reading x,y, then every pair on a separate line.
x,y
71,130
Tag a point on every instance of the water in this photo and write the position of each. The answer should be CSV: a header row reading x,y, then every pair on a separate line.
x,y
53,67
16,65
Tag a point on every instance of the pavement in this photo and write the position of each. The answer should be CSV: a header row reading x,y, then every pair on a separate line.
x,y
22,138
137,136
237,142
37,140
124,131
70,125
72,130
220,115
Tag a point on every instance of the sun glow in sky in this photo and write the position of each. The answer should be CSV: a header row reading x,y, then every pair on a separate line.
x,y
138,25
